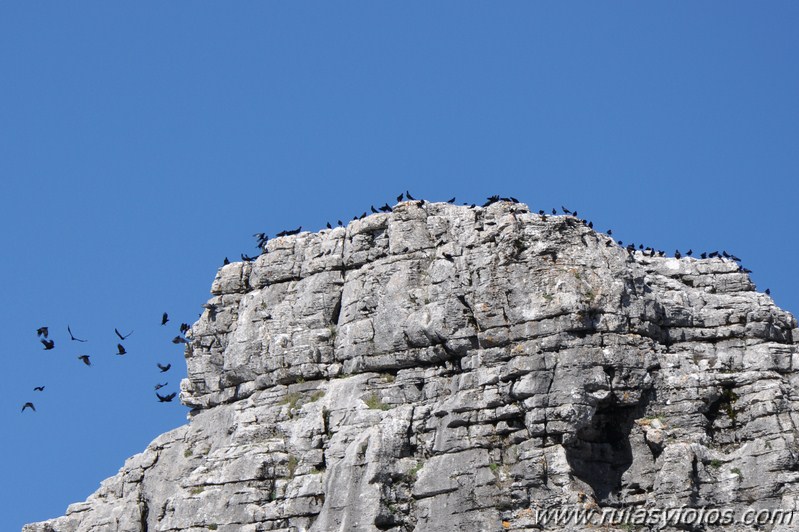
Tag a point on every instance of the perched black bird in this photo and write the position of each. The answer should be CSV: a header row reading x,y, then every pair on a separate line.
x,y
703,255
736,259
374,211
408,195
574,214
245,258
491,200
121,349
590,225
386,208
121,336
746,270
85,359
48,344
361,217
39,389
28,405
42,331
541,212
610,232
451,200
554,211
399,198
689,252
514,200
565,210
677,254
178,340
340,223
72,337
225,262
165,398
329,226
725,254
294,231
768,291
184,328
608,243
164,368
164,318
420,203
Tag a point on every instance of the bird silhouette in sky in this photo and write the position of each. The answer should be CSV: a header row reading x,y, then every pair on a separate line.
x,y
38,389
164,318
165,398
178,340
28,405
164,368
42,331
85,359
48,344
159,386
122,336
121,349
72,337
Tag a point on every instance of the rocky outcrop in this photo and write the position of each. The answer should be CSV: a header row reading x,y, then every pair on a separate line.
x,y
454,368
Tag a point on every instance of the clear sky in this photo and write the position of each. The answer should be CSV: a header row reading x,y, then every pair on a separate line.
x,y
143,142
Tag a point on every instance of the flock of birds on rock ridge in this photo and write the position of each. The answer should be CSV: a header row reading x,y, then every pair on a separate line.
x,y
261,243
631,248
49,344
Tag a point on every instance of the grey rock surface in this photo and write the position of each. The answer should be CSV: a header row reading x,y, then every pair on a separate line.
x,y
452,368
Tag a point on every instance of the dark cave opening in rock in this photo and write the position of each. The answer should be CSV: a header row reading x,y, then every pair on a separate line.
x,y
601,452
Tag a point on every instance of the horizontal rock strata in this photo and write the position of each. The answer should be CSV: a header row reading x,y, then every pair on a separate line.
x,y
451,368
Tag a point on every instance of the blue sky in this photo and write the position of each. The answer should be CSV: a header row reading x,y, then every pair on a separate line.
x,y
141,143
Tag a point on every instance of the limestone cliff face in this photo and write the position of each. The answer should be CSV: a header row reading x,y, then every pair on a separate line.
x,y
453,368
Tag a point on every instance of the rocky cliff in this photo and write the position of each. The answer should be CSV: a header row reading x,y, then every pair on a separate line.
x,y
453,368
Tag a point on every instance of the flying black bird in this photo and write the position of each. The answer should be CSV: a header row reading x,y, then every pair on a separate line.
x,y
164,318
262,239
225,262
178,340
85,359
451,200
42,331
39,389
768,291
164,368
72,337
184,328
245,258
329,226
165,398
48,344
159,386
121,349
408,195
399,198
28,405
122,336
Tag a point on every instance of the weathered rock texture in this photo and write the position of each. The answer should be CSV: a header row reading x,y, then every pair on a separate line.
x,y
453,368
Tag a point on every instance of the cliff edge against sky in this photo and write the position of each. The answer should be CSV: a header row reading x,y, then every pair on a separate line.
x,y
453,368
